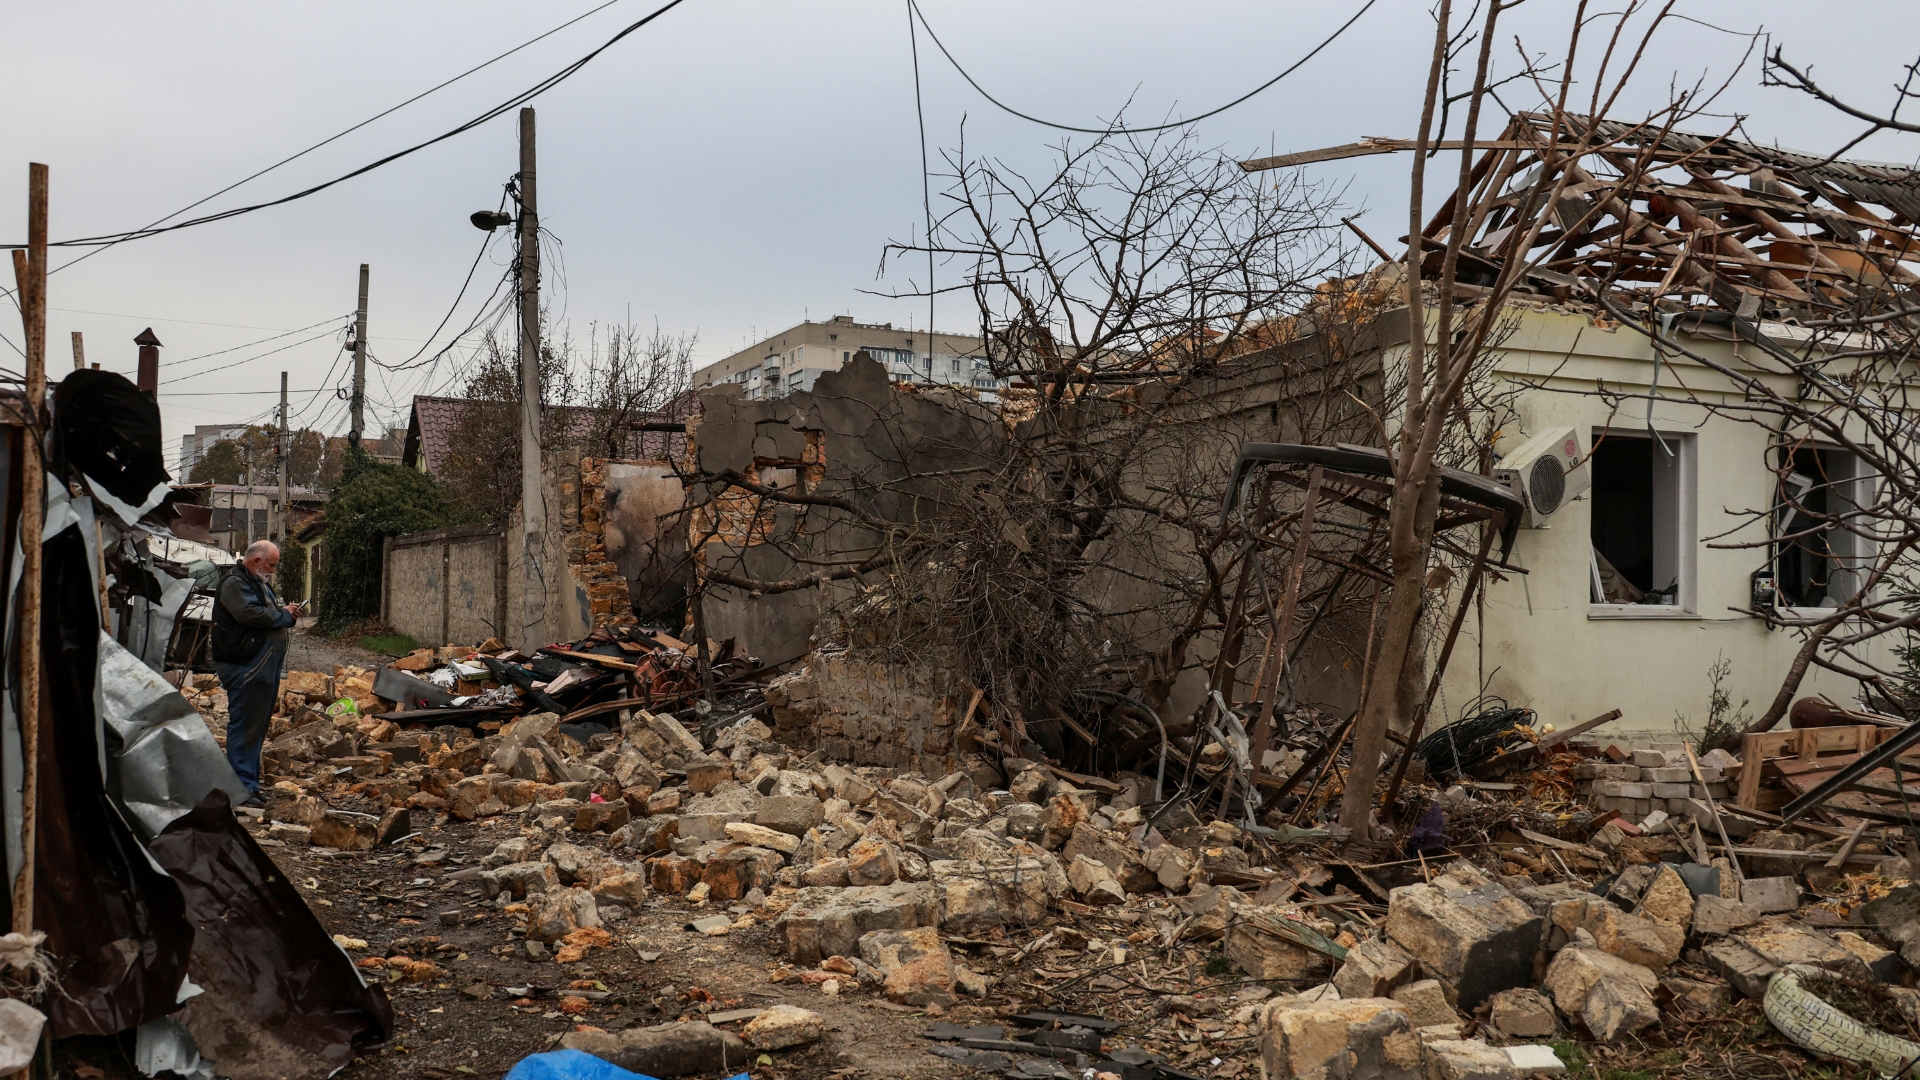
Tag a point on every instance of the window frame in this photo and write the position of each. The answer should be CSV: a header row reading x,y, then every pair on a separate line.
x,y
1853,561
1685,535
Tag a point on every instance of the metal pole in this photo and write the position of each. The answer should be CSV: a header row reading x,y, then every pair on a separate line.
x,y
284,445
359,364
30,274
532,507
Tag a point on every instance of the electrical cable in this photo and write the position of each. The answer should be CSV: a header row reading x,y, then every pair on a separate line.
x,y
249,359
232,393
412,362
351,130
926,180
541,87
263,341
486,241
1364,8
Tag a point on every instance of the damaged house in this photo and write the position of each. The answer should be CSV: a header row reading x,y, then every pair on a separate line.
x,y
1670,530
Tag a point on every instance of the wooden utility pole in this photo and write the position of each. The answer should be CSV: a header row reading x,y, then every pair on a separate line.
x,y
79,352
533,510
285,445
359,364
30,277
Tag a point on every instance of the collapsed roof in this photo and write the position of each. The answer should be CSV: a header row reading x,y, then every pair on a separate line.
x,y
1677,218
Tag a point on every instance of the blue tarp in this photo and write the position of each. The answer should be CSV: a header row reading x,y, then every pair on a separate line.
x,y
576,1065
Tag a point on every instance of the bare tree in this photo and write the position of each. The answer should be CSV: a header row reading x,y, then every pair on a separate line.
x,y
1068,544
592,396
1442,354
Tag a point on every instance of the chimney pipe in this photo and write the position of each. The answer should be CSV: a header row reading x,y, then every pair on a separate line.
x,y
148,379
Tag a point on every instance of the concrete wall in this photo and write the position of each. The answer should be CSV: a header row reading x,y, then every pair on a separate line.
x,y
852,435
567,613
445,587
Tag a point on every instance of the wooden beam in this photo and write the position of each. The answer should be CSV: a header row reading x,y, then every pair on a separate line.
x,y
1366,147
592,658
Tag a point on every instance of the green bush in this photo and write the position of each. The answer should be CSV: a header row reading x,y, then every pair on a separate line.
x,y
372,502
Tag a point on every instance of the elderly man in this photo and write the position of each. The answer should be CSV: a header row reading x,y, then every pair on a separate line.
x,y
249,647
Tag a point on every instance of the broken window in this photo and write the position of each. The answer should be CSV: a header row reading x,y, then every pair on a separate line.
x,y
1818,562
1642,520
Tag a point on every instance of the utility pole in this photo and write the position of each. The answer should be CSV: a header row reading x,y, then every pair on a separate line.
x,y
533,511
359,364
247,510
79,352
286,446
30,277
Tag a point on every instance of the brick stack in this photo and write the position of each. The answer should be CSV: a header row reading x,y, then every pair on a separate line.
x,y
1647,780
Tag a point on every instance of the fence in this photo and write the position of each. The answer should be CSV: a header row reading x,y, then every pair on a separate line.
x,y
446,586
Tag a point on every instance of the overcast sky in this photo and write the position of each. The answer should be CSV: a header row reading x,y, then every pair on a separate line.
x,y
726,171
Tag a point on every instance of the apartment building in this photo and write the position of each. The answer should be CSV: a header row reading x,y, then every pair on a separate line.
x,y
194,447
793,358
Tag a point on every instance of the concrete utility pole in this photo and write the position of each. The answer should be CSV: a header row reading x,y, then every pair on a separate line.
x,y
359,364
533,509
279,528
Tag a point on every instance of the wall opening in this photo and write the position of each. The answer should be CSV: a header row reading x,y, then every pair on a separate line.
x,y
1640,520
1818,563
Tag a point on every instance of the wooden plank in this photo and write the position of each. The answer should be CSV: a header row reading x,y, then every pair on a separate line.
x,y
1840,857
1718,825
592,658
1750,770
1790,855
1563,845
1373,146
1092,783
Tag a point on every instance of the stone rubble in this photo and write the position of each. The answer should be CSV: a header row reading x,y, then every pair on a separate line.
x,y
866,875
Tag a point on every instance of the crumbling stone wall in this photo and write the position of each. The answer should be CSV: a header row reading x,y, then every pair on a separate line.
x,y
608,597
869,712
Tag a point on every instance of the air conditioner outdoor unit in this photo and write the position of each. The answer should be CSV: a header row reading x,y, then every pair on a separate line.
x,y
1546,471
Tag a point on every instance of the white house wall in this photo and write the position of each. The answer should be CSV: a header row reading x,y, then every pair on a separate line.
x,y
1539,642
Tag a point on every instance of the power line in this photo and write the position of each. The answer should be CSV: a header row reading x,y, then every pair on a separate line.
x,y
926,179
233,393
485,242
249,359
262,341
164,319
354,128
1139,130
541,87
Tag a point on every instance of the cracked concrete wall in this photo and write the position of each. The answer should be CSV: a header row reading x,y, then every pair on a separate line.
x,y
854,436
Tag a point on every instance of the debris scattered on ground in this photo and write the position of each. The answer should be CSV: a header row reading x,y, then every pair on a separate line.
x,y
1064,922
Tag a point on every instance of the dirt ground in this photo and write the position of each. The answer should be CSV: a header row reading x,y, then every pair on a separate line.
x,y
491,1005
310,650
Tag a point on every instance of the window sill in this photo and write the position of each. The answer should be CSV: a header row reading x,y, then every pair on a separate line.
x,y
1640,611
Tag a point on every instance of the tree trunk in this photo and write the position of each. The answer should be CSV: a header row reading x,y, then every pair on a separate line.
x,y
1796,671
1411,523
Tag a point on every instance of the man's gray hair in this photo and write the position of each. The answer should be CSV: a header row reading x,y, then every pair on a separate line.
x,y
261,548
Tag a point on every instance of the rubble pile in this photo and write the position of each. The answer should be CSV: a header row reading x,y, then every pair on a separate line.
x,y
1006,882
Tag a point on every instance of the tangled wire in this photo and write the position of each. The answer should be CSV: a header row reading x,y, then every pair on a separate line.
x,y
1494,728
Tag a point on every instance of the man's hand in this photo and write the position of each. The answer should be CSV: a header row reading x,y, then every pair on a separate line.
x,y
297,609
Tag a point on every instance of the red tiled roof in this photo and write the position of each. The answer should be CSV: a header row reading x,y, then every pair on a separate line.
x,y
436,422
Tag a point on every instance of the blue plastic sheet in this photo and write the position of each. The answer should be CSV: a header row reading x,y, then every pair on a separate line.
x,y
578,1065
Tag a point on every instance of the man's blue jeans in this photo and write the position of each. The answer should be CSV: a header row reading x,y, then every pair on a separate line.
x,y
251,689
